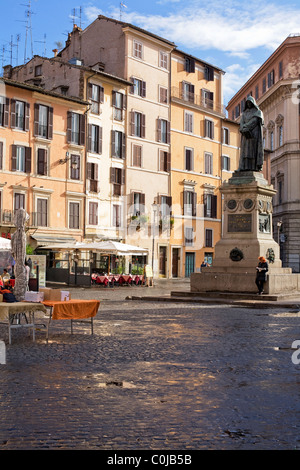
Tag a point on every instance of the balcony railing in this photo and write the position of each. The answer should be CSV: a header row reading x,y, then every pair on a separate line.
x,y
197,100
7,218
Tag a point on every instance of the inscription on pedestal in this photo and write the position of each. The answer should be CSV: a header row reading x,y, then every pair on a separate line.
x,y
239,223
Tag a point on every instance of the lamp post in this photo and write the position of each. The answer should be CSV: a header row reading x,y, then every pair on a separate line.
x,y
154,209
279,224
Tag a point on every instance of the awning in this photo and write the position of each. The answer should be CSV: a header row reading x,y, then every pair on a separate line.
x,y
109,247
5,244
46,239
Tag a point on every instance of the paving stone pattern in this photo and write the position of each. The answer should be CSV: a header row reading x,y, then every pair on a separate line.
x,y
155,375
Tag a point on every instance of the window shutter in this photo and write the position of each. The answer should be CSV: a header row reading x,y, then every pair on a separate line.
x,y
27,160
184,201
123,145
123,176
101,94
205,204
82,129
194,208
132,86
132,126
143,89
143,130
27,116
112,175
42,162
13,114
168,162
114,98
89,171
158,130
36,119
50,123
100,140
113,143
168,132
89,143
90,91
124,101
13,158
1,155
69,126
6,112
213,207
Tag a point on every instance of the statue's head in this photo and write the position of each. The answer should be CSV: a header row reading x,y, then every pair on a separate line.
x,y
20,218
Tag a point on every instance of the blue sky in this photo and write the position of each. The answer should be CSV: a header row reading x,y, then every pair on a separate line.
x,y
236,35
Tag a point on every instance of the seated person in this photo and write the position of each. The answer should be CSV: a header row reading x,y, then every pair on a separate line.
x,y
5,276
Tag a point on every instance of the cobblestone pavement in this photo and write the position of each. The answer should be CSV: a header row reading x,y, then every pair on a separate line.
x,y
154,375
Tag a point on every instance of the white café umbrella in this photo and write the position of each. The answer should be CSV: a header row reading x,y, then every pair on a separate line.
x,y
5,244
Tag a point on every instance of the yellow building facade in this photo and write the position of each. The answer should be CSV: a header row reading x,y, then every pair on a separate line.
x,y
204,152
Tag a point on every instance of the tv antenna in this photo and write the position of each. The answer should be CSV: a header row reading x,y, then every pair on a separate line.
x,y
44,42
122,6
28,14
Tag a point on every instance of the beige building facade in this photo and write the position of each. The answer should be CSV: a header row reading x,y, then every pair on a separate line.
x,y
275,87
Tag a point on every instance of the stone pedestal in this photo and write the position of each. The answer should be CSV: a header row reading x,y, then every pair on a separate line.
x,y
247,234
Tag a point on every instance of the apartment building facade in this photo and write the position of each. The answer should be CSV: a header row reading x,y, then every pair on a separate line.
x,y
275,87
143,59
35,163
204,149
105,150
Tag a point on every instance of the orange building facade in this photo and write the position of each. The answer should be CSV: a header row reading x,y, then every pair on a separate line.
x,y
42,165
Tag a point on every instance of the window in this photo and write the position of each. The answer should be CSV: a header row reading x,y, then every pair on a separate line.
x,y
165,204
189,159
189,203
189,65
38,71
137,156
92,175
119,104
117,178
256,92
19,201
138,203
272,140
237,111
280,135
75,167
42,161
19,115
209,73
21,159
210,205
138,124
271,77
137,50
164,161
74,215
138,87
226,136
118,141
188,92
116,215
264,87
188,121
280,190
95,139
43,121
4,111
209,129
163,131
208,237
42,212
188,236
76,128
208,163
207,99
93,213
163,95
225,163
163,60
96,96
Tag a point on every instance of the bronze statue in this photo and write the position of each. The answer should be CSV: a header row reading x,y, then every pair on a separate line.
x,y
251,129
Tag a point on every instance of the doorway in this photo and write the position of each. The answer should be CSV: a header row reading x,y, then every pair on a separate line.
x,y
189,264
163,261
175,262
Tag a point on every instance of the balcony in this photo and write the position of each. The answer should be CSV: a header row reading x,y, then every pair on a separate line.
x,y
202,103
7,219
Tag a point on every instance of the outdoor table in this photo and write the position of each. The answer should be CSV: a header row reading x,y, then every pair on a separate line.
x,y
125,279
74,310
13,314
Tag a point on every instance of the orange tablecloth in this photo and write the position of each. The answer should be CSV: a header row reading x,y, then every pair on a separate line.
x,y
73,309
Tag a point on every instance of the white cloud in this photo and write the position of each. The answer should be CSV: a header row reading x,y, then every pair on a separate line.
x,y
91,12
235,77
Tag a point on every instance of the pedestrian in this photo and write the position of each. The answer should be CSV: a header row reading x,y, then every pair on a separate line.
x,y
27,269
261,274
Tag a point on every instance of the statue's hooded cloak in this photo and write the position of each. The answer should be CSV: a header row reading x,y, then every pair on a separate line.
x,y
251,129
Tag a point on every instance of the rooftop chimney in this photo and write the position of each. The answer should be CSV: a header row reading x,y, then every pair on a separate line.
x,y
55,52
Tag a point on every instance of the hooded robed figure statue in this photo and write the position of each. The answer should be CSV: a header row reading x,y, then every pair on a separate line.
x,y
251,129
